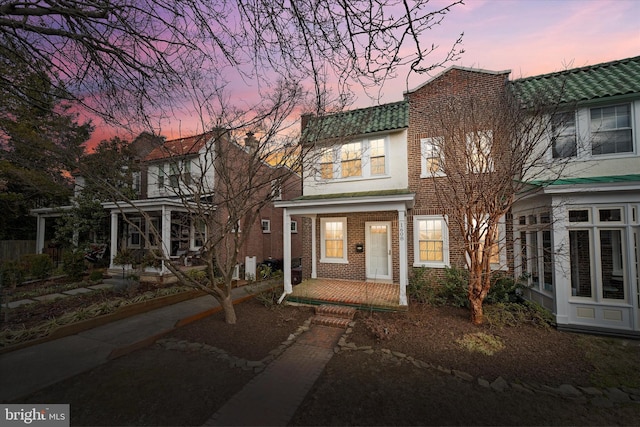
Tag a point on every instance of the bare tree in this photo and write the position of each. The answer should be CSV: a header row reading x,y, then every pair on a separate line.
x,y
130,59
134,61
484,148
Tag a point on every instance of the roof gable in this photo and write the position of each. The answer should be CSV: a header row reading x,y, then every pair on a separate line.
x,y
180,147
386,117
593,82
456,68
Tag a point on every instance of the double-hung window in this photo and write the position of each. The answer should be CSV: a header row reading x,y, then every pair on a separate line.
x,y
478,153
431,241
333,240
564,143
326,163
377,157
611,129
351,159
431,162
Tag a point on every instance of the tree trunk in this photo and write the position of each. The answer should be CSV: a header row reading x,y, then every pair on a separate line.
x,y
475,303
229,310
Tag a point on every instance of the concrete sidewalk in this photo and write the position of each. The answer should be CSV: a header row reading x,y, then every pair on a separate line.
x,y
27,370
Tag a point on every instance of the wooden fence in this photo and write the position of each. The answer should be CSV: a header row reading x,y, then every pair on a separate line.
x,y
13,249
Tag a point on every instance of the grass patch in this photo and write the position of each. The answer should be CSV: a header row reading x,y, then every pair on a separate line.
x,y
614,362
480,342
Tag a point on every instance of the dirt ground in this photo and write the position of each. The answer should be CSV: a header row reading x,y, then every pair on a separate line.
x,y
158,386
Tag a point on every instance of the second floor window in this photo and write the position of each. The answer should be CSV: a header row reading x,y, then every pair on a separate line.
x,y
478,153
351,159
611,129
377,156
430,162
564,142
360,159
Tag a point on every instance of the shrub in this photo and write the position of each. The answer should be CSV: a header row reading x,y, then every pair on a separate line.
x,y
11,274
516,313
270,297
455,287
504,288
95,275
37,266
424,287
73,263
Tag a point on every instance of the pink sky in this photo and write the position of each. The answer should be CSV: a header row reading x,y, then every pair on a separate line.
x,y
528,37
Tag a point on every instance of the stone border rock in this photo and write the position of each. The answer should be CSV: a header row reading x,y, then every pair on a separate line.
x,y
600,397
234,362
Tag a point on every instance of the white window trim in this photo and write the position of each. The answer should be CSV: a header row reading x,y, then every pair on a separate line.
x,y
266,222
434,143
294,226
501,265
323,258
416,241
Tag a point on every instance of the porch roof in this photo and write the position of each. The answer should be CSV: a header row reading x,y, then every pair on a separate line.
x,y
147,205
591,184
350,202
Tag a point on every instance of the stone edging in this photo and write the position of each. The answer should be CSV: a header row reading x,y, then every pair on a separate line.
x,y
600,397
605,398
234,362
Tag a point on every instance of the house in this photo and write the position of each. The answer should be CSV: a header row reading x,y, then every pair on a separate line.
x,y
185,200
371,213
577,237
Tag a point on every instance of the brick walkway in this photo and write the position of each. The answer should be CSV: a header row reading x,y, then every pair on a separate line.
x,y
273,396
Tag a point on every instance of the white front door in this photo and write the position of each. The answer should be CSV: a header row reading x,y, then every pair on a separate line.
x,y
378,250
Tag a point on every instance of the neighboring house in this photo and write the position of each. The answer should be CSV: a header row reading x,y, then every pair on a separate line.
x,y
370,214
178,176
578,237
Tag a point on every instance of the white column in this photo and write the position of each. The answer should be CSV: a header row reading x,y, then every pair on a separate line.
x,y
114,237
286,250
403,261
40,228
166,234
314,255
560,260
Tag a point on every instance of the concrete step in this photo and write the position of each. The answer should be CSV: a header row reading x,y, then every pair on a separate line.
x,y
339,311
336,322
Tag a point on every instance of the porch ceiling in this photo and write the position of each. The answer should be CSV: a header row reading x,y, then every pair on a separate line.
x,y
148,205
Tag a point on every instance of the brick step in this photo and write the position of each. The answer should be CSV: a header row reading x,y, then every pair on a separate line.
x,y
336,311
336,322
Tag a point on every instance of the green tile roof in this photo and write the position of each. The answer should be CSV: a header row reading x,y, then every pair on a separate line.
x,y
581,84
589,180
380,118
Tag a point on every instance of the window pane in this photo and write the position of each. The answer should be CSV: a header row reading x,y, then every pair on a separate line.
x,y
579,216
431,251
376,147
580,263
377,166
564,135
607,215
612,264
333,248
523,250
351,168
546,259
533,246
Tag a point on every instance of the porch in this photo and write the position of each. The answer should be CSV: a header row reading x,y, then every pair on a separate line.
x,y
358,294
